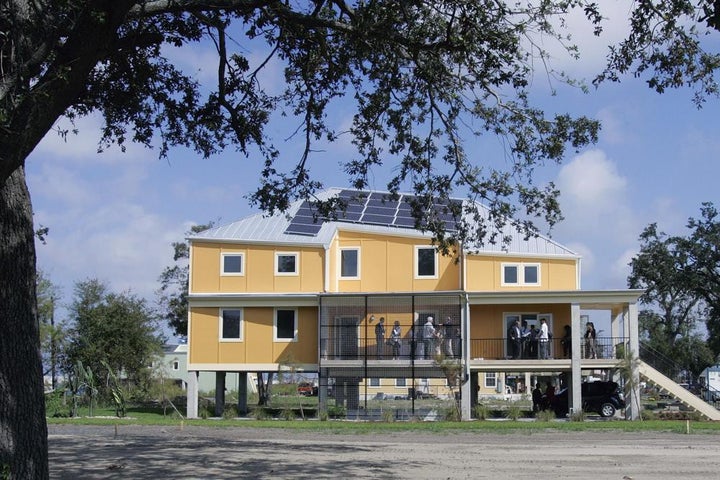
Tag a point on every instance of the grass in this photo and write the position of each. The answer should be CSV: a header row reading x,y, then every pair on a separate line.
x,y
149,416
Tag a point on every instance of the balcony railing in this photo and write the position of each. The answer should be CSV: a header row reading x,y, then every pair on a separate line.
x,y
405,349
482,348
555,348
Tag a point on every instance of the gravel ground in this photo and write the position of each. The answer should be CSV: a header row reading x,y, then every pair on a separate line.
x,y
146,452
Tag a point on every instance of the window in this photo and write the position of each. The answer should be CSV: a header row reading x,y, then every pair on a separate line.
x,y
349,263
231,324
520,274
285,325
425,262
400,382
374,382
490,380
176,365
232,264
286,263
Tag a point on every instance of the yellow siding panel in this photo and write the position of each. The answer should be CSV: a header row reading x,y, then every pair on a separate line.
x,y
484,273
258,345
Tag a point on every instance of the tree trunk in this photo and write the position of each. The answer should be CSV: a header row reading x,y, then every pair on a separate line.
x,y
23,430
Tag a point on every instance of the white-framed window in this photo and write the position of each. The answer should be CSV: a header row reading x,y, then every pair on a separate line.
x,y
400,382
231,325
374,382
490,380
425,262
350,263
285,325
517,274
232,264
176,365
286,263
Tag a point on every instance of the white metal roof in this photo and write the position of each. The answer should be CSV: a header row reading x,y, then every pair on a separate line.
x,y
270,229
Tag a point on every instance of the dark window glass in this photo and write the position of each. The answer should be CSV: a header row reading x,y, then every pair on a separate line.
x,y
232,264
426,262
231,324
285,324
286,264
531,274
511,274
348,263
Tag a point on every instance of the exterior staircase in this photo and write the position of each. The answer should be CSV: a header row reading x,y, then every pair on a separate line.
x,y
680,393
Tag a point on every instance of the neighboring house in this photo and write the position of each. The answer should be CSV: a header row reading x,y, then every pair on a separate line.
x,y
270,293
174,369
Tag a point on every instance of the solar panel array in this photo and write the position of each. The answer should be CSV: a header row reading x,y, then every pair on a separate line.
x,y
372,208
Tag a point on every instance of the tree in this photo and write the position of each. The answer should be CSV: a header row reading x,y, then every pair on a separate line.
x,y
666,43
422,77
703,247
665,269
112,335
172,295
52,333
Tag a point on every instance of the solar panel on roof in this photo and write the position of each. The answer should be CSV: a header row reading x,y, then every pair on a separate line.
x,y
304,222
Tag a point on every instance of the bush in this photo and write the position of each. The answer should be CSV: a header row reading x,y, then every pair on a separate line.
x,y
388,416
482,412
513,412
288,414
260,413
577,416
545,416
452,414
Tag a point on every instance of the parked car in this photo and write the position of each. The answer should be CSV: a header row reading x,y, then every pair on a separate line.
x,y
307,389
604,398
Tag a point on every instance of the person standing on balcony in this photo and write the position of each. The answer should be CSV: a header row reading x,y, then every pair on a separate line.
x,y
429,338
543,339
567,342
515,335
590,340
395,340
525,337
380,337
449,337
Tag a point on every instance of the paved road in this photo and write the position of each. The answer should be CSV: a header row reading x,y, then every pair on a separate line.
x,y
143,452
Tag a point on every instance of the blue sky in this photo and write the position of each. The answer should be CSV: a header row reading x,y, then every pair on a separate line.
x,y
113,216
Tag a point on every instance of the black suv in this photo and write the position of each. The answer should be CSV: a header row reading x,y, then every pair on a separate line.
x,y
601,397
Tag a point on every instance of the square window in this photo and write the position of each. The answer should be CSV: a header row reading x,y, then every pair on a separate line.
x,y
490,380
231,324
232,264
286,263
349,265
285,325
426,265
531,274
374,382
510,274
400,382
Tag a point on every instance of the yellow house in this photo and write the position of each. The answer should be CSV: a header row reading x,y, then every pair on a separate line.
x,y
268,292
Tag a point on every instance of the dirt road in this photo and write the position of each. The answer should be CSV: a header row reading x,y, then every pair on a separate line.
x,y
143,452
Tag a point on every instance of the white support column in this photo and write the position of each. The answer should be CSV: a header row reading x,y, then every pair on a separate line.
x,y
465,390
575,374
633,410
192,395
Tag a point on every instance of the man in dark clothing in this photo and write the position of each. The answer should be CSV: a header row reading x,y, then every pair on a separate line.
x,y
515,336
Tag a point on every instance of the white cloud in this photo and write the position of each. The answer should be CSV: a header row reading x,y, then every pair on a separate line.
x,y
591,182
82,147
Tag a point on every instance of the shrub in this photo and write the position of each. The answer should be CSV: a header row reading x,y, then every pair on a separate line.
x,y
452,414
482,412
577,416
288,414
260,413
545,416
388,416
513,412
